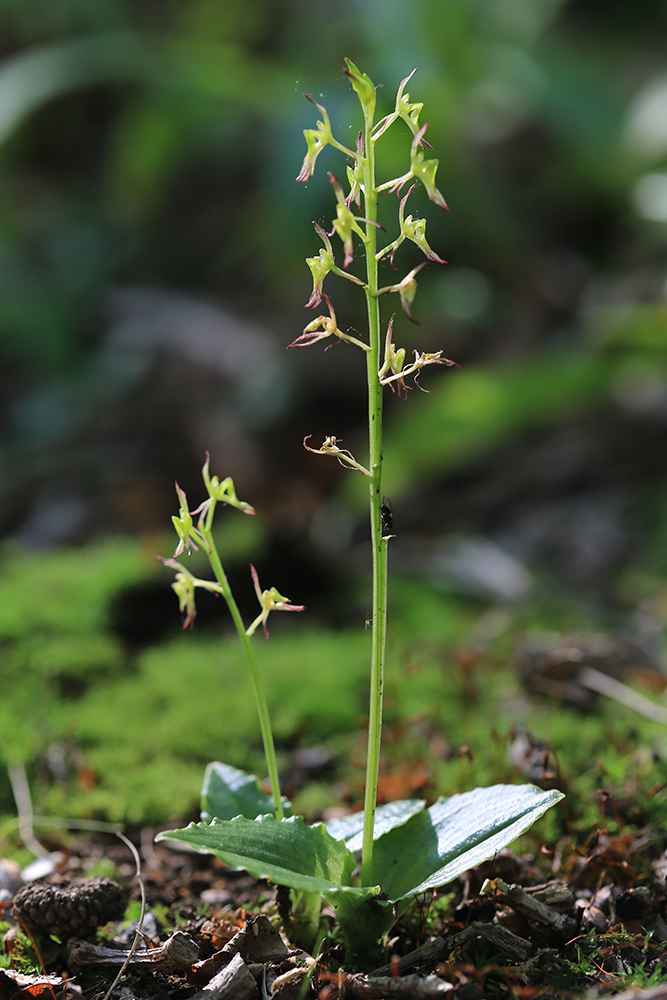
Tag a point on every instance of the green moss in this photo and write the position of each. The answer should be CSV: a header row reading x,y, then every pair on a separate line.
x,y
135,733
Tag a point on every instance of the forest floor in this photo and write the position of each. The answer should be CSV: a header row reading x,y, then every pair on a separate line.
x,y
582,922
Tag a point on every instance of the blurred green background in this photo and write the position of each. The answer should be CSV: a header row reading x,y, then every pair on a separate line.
x,y
152,245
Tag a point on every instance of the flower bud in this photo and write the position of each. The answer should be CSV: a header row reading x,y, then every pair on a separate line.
x,y
363,85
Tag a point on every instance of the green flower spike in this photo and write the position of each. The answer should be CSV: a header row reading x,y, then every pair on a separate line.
x,y
223,492
269,600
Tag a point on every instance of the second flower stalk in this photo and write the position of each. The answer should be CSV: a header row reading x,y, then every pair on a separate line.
x,y
185,585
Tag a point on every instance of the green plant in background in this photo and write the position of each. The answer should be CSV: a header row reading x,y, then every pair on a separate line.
x,y
405,848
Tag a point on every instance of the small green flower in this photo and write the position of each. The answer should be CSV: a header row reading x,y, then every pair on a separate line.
x,y
316,140
404,109
320,267
415,230
185,529
329,326
424,170
414,369
393,361
184,587
223,492
407,289
345,223
269,600
355,176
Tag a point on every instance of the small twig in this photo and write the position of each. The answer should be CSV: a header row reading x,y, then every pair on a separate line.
x,y
68,823
561,925
137,936
178,952
652,993
234,982
21,792
26,931
303,973
427,956
595,680
391,988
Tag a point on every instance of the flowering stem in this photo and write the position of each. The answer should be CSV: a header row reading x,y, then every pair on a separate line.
x,y
262,707
379,545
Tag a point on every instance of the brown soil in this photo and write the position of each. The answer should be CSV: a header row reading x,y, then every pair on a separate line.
x,y
584,922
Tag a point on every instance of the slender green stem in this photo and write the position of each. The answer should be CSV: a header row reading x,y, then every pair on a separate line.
x,y
262,707
379,634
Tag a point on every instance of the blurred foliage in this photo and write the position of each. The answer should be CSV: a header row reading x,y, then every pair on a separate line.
x,y
159,143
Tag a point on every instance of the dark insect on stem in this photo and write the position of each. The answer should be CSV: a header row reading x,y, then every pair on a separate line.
x,y
386,516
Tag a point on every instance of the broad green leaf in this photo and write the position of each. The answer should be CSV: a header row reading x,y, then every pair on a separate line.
x,y
393,814
228,792
454,835
288,852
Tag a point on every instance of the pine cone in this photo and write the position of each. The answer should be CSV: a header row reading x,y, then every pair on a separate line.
x,y
69,907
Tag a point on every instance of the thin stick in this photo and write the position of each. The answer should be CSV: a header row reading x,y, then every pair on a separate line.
x,y
137,936
260,698
21,792
595,680
27,932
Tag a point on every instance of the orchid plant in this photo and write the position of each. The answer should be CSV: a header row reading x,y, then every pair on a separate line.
x,y
405,849
191,538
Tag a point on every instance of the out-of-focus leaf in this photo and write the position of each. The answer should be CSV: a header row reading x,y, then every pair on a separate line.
x,y
219,72
32,78
228,792
471,412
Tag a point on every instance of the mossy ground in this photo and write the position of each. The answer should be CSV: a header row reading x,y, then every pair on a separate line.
x,y
110,733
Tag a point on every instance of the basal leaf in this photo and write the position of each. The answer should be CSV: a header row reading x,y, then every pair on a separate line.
x,y
288,852
455,834
228,792
387,817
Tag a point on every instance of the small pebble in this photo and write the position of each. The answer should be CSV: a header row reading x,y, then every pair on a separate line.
x,y
216,896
